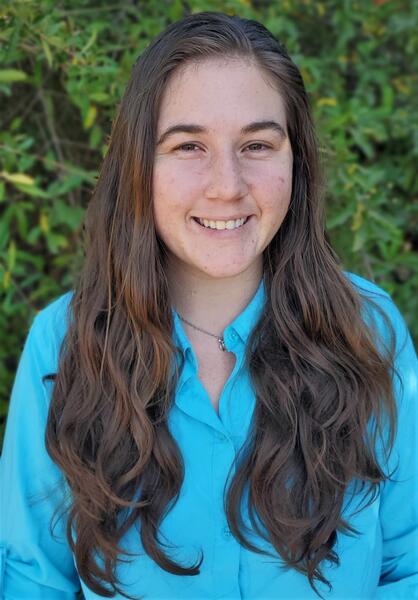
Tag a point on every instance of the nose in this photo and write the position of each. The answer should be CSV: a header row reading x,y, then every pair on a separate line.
x,y
226,178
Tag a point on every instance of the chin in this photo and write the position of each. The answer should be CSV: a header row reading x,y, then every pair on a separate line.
x,y
224,272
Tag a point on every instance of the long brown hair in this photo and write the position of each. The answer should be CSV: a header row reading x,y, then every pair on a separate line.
x,y
317,373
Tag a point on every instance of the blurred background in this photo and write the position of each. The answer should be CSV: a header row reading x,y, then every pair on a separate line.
x,y
63,69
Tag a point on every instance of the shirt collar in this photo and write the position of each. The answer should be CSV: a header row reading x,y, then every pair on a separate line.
x,y
244,323
241,325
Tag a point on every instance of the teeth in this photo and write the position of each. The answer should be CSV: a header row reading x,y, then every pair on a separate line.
x,y
222,224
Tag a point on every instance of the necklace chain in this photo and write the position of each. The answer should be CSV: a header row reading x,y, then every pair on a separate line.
x,y
219,338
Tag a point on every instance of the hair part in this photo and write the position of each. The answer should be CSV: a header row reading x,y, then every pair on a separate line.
x,y
317,374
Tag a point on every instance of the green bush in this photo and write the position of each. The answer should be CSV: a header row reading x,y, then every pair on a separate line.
x,y
63,68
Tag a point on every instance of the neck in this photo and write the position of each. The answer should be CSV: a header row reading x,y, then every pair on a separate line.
x,y
211,303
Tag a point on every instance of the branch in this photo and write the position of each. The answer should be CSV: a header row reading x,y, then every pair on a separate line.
x,y
54,137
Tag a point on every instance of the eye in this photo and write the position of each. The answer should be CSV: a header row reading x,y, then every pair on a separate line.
x,y
189,147
257,146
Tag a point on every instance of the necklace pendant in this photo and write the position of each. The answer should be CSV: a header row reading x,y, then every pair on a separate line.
x,y
221,344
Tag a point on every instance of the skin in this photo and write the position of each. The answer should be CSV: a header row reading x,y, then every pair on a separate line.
x,y
219,173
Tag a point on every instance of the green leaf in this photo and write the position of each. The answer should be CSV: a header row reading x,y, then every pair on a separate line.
x,y
17,178
47,52
63,213
359,240
95,136
4,233
32,190
12,75
11,255
340,218
56,241
33,235
384,222
90,117
99,97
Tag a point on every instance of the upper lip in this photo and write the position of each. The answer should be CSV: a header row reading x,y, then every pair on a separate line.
x,y
233,218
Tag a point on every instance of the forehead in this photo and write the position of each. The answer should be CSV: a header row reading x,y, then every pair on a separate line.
x,y
221,90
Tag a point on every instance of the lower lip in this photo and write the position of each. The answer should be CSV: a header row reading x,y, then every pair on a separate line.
x,y
223,233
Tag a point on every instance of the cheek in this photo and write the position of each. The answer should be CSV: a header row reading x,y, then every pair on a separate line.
x,y
176,180
174,192
166,194
274,191
172,199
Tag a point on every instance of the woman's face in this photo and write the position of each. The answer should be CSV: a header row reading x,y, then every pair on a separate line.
x,y
222,154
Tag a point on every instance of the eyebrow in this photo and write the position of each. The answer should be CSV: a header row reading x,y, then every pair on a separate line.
x,y
250,128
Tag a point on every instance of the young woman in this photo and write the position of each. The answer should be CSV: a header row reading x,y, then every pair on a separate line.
x,y
216,410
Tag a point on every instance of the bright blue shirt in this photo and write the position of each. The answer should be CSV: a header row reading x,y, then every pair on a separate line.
x,y
381,562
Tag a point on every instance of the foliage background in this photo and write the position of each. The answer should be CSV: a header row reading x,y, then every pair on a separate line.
x,y
63,69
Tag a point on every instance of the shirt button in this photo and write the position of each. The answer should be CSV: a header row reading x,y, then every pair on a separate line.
x,y
227,533
220,436
233,335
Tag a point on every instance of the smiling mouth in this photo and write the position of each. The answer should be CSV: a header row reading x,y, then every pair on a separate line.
x,y
221,225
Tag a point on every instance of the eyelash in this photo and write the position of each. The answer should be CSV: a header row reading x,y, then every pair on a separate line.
x,y
265,146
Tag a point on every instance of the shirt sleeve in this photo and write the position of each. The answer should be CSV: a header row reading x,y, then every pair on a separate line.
x,y
399,500
34,563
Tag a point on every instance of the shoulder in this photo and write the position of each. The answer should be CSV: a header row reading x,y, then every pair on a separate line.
x,y
55,313
367,288
48,330
384,319
380,312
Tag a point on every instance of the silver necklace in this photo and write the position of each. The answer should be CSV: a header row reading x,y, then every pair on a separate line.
x,y
219,338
